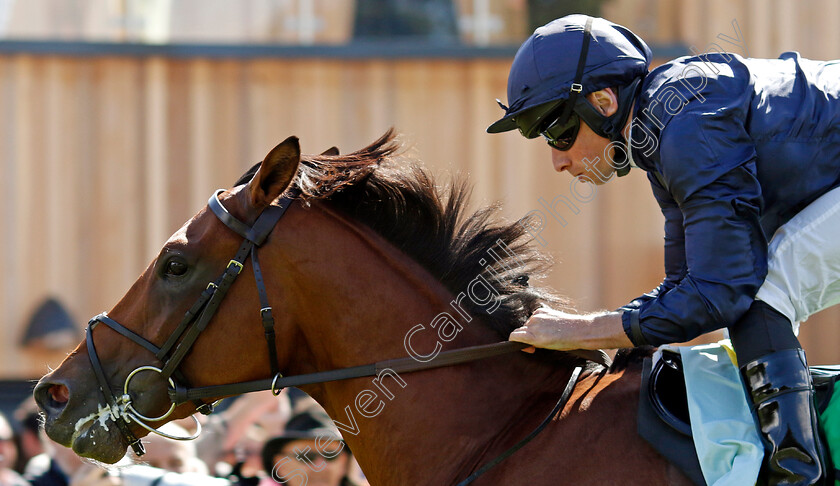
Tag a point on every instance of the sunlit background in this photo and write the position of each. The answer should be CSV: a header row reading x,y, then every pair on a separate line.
x,y
118,119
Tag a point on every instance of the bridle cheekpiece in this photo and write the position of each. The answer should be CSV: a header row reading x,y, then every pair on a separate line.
x,y
196,319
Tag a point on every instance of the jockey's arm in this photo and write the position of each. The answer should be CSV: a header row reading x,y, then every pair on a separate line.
x,y
553,329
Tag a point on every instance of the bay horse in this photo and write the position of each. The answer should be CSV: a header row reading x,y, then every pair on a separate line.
x,y
370,261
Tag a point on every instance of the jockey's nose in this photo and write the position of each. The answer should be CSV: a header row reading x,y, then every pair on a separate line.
x,y
561,162
51,397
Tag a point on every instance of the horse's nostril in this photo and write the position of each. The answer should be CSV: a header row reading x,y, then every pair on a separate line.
x,y
52,397
59,394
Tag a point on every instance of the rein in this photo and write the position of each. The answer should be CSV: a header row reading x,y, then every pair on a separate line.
x,y
561,402
180,395
196,319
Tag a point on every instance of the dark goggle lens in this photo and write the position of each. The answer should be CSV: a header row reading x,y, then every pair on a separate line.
x,y
562,136
531,121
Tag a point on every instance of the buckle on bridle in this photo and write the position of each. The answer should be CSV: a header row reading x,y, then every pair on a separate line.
x,y
576,87
236,264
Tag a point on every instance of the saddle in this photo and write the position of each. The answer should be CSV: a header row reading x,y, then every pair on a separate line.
x,y
665,423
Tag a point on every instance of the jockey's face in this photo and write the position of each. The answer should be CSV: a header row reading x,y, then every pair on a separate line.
x,y
586,158
589,156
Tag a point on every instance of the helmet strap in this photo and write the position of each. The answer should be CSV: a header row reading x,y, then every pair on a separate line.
x,y
611,127
576,88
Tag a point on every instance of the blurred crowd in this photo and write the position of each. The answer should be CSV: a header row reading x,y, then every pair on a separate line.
x,y
258,440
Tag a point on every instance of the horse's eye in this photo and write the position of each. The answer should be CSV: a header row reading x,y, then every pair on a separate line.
x,y
175,268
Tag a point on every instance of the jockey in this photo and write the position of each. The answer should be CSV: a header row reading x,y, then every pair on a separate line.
x,y
737,151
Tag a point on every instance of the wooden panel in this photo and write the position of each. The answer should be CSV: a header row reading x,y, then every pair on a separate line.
x,y
103,158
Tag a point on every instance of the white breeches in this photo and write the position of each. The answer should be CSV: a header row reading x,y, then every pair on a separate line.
x,y
804,261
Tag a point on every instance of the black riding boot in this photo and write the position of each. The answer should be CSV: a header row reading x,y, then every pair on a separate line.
x,y
779,385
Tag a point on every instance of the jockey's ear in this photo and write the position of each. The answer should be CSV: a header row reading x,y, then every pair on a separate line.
x,y
276,173
604,100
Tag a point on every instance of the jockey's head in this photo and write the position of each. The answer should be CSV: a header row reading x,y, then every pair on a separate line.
x,y
563,64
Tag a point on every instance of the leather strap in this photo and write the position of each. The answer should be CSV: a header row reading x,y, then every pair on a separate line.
x,y
228,277
225,217
202,407
262,228
576,88
188,318
103,318
399,365
117,417
265,314
564,397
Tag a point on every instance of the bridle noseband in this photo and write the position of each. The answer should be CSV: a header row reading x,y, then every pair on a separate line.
x,y
196,319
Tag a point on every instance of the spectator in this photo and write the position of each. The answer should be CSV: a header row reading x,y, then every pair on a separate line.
x,y
32,461
177,456
232,439
8,456
309,452
67,469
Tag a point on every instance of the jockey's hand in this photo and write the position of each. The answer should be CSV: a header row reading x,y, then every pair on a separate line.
x,y
553,329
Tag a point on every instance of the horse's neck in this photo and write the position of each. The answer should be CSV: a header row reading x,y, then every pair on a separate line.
x,y
436,426
439,424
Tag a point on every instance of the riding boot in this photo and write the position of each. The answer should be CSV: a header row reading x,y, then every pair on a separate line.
x,y
779,385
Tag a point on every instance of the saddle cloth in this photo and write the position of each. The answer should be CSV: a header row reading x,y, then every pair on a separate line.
x,y
697,391
695,412
728,446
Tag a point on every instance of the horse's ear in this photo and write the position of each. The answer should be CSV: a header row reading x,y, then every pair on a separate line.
x,y
332,152
276,173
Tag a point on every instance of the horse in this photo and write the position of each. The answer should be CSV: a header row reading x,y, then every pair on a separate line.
x,y
370,261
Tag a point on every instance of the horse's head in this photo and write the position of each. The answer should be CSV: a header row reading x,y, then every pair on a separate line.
x,y
111,384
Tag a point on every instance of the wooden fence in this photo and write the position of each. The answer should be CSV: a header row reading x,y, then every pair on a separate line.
x,y
104,156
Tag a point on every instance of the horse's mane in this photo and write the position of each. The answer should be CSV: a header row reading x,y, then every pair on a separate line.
x,y
391,194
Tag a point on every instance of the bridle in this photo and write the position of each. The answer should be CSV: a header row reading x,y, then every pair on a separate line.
x,y
199,315
194,322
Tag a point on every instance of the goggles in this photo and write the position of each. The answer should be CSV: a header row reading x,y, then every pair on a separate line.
x,y
545,120
562,136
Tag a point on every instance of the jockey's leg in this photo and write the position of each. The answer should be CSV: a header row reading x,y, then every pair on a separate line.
x,y
778,383
803,278
803,261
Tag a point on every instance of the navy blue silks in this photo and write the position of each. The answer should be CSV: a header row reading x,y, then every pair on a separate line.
x,y
741,146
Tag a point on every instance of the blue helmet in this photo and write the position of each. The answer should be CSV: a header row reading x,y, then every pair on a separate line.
x,y
546,68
